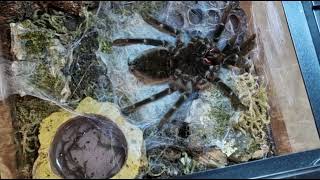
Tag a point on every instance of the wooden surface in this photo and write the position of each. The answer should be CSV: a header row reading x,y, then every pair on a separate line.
x,y
292,122
7,146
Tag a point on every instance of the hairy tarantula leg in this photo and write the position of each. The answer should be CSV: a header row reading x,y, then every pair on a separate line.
x,y
183,97
230,44
227,91
244,48
154,97
231,59
127,42
160,26
248,45
221,25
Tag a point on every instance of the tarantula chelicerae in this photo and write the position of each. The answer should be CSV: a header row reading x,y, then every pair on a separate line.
x,y
187,66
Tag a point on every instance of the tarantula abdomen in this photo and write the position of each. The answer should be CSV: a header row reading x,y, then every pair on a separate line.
x,y
153,63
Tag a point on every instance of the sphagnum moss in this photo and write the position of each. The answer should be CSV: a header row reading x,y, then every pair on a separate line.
x,y
254,96
29,112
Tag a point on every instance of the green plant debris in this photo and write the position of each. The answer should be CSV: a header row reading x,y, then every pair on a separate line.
x,y
170,162
56,21
29,112
105,46
44,50
27,24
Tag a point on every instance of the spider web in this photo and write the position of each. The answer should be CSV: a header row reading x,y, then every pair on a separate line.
x,y
209,113
185,16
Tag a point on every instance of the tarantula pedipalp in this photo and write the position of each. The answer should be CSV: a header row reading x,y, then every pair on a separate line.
x,y
187,66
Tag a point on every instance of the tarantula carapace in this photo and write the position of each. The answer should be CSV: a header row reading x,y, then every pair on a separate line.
x,y
187,66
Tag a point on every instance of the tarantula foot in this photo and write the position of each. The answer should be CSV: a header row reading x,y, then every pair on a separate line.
x,y
248,45
127,110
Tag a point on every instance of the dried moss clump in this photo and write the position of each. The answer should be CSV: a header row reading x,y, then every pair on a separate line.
x,y
29,112
254,96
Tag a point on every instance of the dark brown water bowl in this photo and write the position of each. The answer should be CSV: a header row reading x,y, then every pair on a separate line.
x,y
88,147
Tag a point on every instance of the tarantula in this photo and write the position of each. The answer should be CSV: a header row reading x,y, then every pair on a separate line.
x,y
187,66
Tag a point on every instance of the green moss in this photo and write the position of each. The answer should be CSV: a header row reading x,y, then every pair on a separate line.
x,y
29,112
47,82
42,41
36,42
222,118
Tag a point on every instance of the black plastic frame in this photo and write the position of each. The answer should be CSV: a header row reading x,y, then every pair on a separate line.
x,y
306,39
